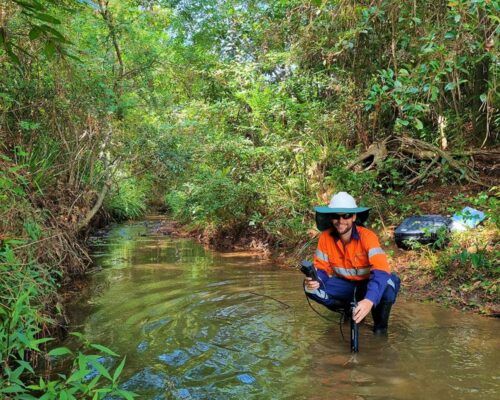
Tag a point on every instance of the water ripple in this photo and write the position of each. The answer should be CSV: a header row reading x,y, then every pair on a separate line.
x,y
196,325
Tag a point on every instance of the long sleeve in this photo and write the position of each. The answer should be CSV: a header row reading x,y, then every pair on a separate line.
x,y
321,260
379,268
376,285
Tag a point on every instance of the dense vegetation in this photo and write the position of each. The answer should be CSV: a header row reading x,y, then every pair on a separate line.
x,y
237,116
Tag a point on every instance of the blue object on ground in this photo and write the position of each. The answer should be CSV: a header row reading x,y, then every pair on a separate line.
x,y
469,217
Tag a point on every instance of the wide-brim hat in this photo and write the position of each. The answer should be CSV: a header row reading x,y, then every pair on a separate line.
x,y
341,203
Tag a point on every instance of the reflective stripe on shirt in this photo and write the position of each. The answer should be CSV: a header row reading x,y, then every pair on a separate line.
x,y
348,272
322,256
374,251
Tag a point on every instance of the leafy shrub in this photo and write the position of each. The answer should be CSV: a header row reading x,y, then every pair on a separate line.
x,y
128,199
22,286
213,199
27,286
358,184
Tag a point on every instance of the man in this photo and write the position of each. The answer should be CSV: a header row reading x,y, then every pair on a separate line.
x,y
348,259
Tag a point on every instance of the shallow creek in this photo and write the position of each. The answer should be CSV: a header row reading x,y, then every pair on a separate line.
x,y
196,324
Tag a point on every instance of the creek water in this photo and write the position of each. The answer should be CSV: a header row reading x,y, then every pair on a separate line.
x,y
197,324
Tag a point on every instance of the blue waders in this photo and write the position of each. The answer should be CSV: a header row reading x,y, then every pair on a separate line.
x,y
335,291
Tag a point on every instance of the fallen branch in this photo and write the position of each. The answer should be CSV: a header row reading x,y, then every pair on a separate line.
x,y
422,175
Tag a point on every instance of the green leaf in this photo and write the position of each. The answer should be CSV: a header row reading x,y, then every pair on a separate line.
x,y
26,365
35,32
13,389
119,369
483,97
104,349
402,122
34,5
13,57
78,335
78,375
42,340
59,351
102,370
434,93
57,35
14,375
449,86
49,49
72,56
47,18
418,124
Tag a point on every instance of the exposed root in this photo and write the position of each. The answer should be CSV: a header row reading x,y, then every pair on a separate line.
x,y
410,151
373,156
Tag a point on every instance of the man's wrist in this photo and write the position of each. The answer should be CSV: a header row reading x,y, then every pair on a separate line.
x,y
370,296
369,301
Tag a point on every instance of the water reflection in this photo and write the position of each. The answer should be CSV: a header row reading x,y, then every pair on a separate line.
x,y
195,324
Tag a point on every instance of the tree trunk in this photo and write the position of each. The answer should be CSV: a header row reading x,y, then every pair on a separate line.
x,y
117,85
93,211
480,85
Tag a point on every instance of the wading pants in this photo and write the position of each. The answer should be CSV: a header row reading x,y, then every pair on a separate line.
x,y
335,290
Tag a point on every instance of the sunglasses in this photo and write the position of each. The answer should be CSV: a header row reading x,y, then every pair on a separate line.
x,y
343,216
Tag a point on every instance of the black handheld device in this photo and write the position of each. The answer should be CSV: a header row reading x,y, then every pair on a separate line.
x,y
307,268
354,327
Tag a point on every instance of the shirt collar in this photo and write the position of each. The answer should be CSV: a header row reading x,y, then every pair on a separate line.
x,y
355,233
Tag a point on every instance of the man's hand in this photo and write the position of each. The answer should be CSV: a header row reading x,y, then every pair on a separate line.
x,y
310,284
362,310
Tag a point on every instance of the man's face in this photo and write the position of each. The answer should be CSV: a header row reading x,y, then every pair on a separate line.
x,y
343,222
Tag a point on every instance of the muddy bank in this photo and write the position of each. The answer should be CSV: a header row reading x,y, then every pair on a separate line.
x,y
462,293
249,240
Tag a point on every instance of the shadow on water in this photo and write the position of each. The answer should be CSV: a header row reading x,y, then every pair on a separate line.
x,y
196,324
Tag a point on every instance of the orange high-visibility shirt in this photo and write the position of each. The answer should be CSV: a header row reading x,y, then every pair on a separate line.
x,y
356,259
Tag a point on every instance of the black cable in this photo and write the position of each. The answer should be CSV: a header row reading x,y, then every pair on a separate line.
x,y
341,312
270,297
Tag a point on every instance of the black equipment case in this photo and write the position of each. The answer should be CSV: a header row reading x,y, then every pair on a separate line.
x,y
423,229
